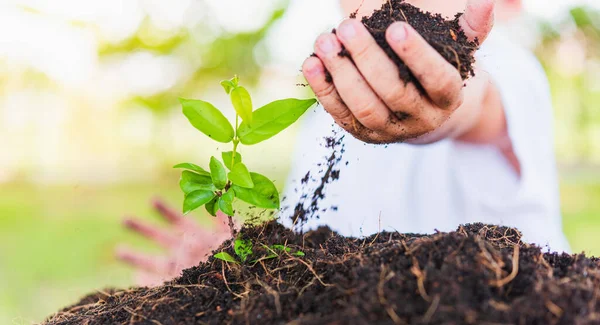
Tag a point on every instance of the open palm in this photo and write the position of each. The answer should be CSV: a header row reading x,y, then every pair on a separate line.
x,y
186,243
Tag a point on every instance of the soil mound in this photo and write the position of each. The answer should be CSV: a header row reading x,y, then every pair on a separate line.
x,y
479,274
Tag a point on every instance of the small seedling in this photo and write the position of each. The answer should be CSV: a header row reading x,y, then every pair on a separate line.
x,y
276,249
243,249
217,188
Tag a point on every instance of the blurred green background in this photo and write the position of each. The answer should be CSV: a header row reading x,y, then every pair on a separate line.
x,y
89,123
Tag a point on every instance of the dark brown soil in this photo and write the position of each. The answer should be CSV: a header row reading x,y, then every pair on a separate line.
x,y
445,36
477,275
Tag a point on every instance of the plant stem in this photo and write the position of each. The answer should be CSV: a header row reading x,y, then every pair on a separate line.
x,y
236,141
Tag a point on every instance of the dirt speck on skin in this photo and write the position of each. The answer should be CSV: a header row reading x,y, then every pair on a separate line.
x,y
478,274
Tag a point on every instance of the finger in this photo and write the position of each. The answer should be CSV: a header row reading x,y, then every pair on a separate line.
x,y
148,263
314,72
376,67
165,211
440,79
478,19
153,233
205,237
364,104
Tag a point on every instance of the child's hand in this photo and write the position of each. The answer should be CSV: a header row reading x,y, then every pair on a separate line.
x,y
369,100
187,243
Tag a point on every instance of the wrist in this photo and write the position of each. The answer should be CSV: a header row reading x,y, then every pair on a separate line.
x,y
489,124
465,118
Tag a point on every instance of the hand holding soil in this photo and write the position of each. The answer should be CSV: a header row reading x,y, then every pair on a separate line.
x,y
383,100
186,242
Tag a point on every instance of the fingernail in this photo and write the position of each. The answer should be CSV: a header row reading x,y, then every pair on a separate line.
x,y
347,30
398,32
326,45
312,70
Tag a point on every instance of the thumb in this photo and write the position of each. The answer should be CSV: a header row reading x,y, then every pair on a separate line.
x,y
478,19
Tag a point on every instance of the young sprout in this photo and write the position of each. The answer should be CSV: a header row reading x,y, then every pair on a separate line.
x,y
229,178
243,250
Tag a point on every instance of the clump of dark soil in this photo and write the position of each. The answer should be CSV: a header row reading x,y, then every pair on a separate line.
x,y
479,274
445,36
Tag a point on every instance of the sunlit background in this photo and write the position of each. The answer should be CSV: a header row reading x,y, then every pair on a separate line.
x,y
89,121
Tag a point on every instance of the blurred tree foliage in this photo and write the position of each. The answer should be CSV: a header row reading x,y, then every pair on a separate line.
x,y
210,51
570,53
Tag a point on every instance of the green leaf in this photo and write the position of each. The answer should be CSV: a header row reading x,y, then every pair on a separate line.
x,y
218,173
243,248
213,206
281,248
207,119
272,252
226,202
286,249
224,256
240,176
272,118
191,182
228,86
242,102
196,199
263,195
227,158
192,167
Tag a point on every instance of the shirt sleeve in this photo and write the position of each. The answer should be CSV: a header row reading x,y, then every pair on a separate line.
x,y
532,203
525,94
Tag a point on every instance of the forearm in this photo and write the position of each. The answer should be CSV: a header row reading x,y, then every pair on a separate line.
x,y
491,127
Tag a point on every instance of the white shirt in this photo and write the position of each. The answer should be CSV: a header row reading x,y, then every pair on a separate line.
x,y
420,189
